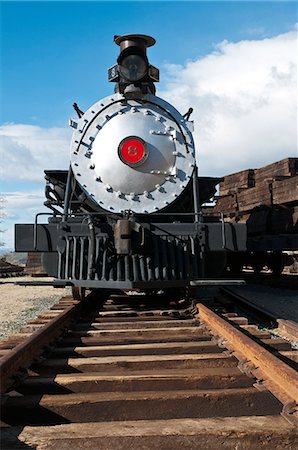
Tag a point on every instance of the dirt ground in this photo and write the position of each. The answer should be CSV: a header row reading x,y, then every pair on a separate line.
x,y
22,303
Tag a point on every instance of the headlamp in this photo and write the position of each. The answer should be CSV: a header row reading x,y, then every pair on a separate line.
x,y
132,64
133,67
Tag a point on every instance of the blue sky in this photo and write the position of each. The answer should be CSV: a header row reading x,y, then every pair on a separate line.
x,y
55,53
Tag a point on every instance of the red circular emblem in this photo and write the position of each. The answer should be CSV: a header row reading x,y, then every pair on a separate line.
x,y
132,151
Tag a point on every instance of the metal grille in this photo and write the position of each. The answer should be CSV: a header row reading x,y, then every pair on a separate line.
x,y
172,258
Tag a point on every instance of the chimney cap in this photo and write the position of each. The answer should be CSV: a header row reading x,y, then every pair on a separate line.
x,y
129,40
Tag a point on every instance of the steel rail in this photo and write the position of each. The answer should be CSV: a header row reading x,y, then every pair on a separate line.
x,y
21,355
264,312
285,327
278,372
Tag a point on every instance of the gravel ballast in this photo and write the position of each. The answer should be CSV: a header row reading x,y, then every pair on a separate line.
x,y
22,303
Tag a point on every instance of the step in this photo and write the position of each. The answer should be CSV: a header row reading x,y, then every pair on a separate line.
x,y
144,405
277,344
206,378
163,348
292,355
139,318
122,364
141,335
246,432
113,311
150,332
125,339
137,325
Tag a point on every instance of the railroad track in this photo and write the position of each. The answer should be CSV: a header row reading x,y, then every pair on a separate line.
x,y
127,375
9,272
246,303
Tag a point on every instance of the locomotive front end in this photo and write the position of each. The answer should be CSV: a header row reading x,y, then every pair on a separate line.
x,y
126,215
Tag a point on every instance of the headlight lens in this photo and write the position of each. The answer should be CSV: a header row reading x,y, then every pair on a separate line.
x,y
133,67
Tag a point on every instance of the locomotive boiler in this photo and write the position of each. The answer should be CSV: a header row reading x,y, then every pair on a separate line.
x,y
126,214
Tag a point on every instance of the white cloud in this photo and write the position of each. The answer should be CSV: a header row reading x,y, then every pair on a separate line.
x,y
27,150
244,97
20,207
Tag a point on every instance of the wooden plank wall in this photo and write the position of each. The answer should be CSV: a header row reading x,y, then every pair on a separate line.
x,y
265,198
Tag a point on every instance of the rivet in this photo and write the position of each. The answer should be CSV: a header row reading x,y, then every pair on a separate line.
x,y
92,166
102,104
78,174
157,186
97,179
91,138
111,99
157,118
175,153
175,195
155,207
98,127
119,193
146,112
166,203
146,193
107,117
76,142
191,165
75,153
109,188
133,110
84,185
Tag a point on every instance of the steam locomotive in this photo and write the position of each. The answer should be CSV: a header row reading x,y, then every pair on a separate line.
x,y
127,212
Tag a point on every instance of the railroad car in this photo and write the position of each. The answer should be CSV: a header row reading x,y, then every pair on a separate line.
x,y
127,212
